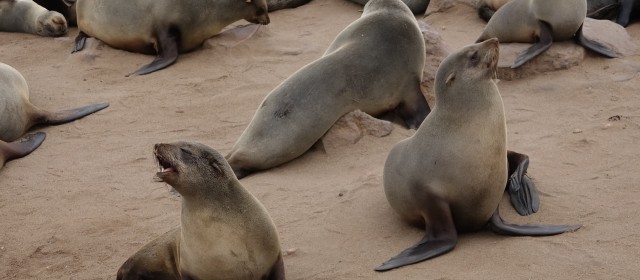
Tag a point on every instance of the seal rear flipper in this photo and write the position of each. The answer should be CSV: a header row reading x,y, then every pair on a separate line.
x,y
21,147
441,237
65,116
545,41
625,12
499,226
522,191
593,45
167,49
414,109
79,42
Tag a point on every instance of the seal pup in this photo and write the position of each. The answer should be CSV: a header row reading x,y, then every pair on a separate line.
x,y
64,7
416,6
540,22
451,174
224,233
21,147
18,115
350,75
161,27
28,17
597,9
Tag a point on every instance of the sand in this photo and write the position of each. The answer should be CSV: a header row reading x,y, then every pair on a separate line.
x,y
86,200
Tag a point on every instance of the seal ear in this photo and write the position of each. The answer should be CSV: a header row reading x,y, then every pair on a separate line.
x,y
450,79
247,1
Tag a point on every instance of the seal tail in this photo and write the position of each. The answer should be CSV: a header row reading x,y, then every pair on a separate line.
x,y
21,147
65,116
499,226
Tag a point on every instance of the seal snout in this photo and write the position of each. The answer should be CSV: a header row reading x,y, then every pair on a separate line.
x,y
165,163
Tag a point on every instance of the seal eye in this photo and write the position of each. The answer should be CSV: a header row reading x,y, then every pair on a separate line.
x,y
475,58
185,151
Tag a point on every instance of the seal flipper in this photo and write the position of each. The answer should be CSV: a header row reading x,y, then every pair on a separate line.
x,y
485,12
65,116
167,49
545,40
79,42
499,226
21,147
413,110
441,237
277,271
593,45
624,16
522,191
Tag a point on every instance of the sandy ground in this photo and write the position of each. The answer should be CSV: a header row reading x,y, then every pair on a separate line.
x,y
81,204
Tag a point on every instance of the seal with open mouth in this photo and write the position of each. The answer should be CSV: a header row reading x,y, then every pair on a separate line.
x,y
224,233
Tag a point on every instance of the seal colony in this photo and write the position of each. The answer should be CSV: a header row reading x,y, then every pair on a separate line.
x,y
224,233
18,115
352,74
540,22
28,17
161,27
451,174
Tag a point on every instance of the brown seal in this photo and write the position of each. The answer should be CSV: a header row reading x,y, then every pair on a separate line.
x,y
224,233
162,27
451,174
351,75
28,17
541,22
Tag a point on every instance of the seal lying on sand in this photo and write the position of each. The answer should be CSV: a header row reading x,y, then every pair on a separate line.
x,y
375,65
596,9
28,17
162,27
64,7
451,174
17,114
540,22
224,233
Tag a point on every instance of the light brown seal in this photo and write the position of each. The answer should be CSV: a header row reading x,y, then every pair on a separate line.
x,y
18,115
540,22
28,17
451,174
375,65
224,233
162,27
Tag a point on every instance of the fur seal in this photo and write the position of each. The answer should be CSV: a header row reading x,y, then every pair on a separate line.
x,y
17,114
21,147
64,7
162,27
350,75
28,17
596,9
540,22
416,6
451,174
224,233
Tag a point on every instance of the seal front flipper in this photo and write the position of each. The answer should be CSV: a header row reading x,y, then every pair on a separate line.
x,y
167,48
593,45
21,147
545,40
441,237
79,42
414,109
65,116
522,191
499,226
